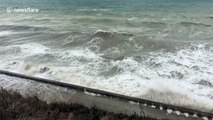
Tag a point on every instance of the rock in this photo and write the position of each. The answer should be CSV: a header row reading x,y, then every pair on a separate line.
x,y
205,83
44,69
107,117
71,116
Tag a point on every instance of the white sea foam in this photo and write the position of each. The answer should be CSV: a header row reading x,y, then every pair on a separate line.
x,y
33,48
78,53
5,33
171,78
133,19
15,55
23,49
167,77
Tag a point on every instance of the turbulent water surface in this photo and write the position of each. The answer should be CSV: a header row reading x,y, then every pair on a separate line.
x,y
160,50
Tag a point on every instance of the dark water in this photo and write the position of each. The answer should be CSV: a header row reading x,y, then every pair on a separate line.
x,y
142,48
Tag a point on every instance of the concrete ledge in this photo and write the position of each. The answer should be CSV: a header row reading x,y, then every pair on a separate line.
x,y
54,91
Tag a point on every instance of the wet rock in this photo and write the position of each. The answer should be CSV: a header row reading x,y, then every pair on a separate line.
x,y
71,116
107,117
27,67
14,63
205,83
44,69
176,74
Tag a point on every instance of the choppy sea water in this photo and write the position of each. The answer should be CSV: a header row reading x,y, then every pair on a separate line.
x,y
159,50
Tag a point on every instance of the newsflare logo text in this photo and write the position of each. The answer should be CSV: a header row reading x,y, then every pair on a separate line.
x,y
22,10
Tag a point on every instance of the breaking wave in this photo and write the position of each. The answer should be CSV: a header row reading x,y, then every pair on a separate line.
x,y
181,78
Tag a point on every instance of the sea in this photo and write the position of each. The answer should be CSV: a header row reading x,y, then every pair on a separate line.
x,y
160,50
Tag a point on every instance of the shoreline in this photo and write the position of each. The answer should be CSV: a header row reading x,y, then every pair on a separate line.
x,y
57,92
